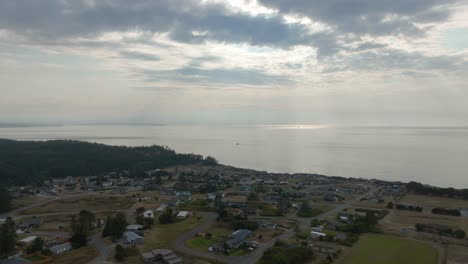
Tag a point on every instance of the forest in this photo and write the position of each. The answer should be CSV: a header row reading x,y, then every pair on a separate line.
x,y
31,162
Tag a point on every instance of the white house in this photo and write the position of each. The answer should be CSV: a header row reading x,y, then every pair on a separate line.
x,y
148,214
182,214
317,235
27,240
59,249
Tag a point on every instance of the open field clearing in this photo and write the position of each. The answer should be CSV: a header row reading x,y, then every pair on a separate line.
x,y
93,203
457,254
161,236
400,219
429,202
27,200
380,249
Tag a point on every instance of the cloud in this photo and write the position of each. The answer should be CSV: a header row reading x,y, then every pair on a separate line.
x,y
370,16
216,76
185,21
139,56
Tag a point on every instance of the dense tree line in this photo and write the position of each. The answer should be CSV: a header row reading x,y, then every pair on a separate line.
x,y
5,200
31,162
445,211
7,238
419,188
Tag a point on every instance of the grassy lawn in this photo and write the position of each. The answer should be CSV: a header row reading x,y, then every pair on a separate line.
x,y
202,243
390,250
196,205
93,203
78,256
161,236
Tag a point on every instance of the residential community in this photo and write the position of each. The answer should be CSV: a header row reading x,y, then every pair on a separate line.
x,y
222,214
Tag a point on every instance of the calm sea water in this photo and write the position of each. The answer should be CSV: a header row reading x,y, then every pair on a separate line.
x,y
433,155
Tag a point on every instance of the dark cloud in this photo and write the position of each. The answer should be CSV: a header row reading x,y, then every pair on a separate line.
x,y
55,19
369,16
217,76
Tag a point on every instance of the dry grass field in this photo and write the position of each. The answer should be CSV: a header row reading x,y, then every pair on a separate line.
x,y
429,202
457,254
92,203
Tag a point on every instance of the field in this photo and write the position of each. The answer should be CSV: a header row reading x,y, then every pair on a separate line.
x,y
399,219
92,203
202,243
390,250
429,202
25,201
161,236
457,254
81,255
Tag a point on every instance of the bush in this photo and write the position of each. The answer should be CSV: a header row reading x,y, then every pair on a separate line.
x,y
460,234
445,211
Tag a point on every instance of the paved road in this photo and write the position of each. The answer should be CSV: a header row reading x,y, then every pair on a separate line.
x,y
103,249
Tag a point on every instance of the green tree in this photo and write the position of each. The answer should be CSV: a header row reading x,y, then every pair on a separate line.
x,y
118,225
390,205
167,217
460,234
7,238
107,227
36,245
81,228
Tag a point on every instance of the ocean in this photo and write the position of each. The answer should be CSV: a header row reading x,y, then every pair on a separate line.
x,y
432,155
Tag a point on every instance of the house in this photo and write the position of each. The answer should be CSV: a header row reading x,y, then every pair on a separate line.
x,y
317,228
148,214
317,235
330,197
134,227
137,229
238,238
161,256
182,214
132,238
59,249
344,217
30,223
27,240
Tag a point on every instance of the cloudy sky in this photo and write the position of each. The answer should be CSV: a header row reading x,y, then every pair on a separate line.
x,y
356,62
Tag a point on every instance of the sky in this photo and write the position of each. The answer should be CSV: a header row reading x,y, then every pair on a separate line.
x,y
341,62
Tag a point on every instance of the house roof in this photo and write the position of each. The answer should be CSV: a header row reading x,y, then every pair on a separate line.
x,y
161,252
28,239
134,227
183,213
61,247
129,235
